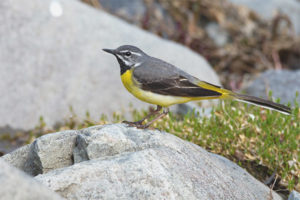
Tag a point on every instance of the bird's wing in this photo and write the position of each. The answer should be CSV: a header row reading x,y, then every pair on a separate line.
x,y
163,78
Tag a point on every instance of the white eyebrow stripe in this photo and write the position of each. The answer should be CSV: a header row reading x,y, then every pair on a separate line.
x,y
135,53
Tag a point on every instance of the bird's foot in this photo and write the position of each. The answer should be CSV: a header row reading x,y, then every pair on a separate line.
x,y
137,124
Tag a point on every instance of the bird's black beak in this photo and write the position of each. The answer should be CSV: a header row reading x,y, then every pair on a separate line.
x,y
111,51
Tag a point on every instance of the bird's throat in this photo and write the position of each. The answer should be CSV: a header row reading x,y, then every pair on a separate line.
x,y
123,66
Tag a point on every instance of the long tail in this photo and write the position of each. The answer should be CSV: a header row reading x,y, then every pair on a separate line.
x,y
227,94
262,103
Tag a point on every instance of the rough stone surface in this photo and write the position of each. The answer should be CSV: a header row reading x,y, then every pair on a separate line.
x,y
117,162
19,158
294,195
46,153
284,84
16,185
268,8
53,151
51,63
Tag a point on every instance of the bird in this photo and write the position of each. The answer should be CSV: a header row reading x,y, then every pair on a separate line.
x,y
157,82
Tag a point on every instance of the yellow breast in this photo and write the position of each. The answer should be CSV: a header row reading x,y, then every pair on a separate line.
x,y
163,100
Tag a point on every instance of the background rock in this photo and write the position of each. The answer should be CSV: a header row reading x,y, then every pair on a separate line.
x,y
269,8
16,185
131,9
117,162
284,84
294,195
50,63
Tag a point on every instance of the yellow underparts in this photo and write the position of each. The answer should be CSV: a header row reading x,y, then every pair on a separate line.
x,y
163,100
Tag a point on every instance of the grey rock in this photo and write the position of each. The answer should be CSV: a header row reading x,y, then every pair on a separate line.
x,y
132,9
136,12
190,107
117,162
217,34
112,140
294,195
46,153
16,185
283,83
50,62
19,158
53,151
267,9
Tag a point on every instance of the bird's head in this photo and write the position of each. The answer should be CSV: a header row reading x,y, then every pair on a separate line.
x,y
128,56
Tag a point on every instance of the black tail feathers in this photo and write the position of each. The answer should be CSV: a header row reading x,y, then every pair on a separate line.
x,y
263,103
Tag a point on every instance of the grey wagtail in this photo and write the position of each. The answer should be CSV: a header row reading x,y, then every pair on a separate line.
x,y
157,82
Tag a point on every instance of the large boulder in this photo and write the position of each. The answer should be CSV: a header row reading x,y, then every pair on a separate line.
x,y
16,185
284,84
51,59
120,162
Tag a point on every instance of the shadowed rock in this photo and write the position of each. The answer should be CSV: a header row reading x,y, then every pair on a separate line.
x,y
16,185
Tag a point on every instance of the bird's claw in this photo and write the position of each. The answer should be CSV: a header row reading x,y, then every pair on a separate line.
x,y
132,123
138,124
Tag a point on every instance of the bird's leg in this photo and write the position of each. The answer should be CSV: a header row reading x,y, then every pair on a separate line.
x,y
140,122
164,113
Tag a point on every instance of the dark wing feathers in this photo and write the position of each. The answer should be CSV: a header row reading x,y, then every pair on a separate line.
x,y
177,87
163,78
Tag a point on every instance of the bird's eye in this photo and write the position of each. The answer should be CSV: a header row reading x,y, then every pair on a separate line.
x,y
128,53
